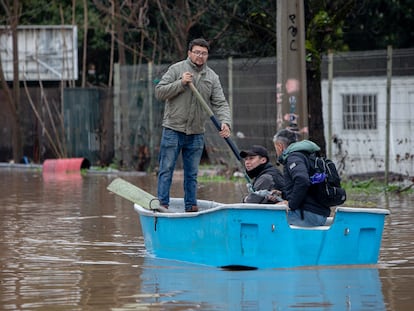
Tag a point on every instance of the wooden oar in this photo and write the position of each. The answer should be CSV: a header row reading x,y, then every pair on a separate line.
x,y
135,194
217,124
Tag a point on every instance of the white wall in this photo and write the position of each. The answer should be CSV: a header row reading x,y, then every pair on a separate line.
x,y
363,151
46,53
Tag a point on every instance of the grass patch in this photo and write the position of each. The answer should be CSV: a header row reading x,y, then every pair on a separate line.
x,y
354,188
372,186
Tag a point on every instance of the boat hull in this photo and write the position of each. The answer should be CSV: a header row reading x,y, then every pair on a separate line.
x,y
258,236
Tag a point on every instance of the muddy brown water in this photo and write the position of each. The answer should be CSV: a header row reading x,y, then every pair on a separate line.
x,y
66,243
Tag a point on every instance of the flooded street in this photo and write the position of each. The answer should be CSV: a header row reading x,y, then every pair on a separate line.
x,y
66,243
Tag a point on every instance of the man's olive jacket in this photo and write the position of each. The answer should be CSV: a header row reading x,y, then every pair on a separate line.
x,y
183,112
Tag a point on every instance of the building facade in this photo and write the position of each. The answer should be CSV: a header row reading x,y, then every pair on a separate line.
x,y
356,115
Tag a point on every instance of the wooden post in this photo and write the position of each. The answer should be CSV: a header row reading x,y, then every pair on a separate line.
x,y
330,79
388,113
230,80
117,114
151,115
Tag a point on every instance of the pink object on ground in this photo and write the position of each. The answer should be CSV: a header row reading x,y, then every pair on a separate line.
x,y
65,165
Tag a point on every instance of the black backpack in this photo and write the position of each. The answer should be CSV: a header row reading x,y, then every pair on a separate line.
x,y
326,183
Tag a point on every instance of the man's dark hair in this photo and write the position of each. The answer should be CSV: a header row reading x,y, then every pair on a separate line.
x,y
200,42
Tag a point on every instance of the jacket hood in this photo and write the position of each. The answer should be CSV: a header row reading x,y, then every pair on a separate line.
x,y
303,145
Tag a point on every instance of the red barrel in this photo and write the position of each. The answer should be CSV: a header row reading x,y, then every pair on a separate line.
x,y
65,165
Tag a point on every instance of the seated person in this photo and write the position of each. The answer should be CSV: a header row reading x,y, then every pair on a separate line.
x,y
304,210
267,180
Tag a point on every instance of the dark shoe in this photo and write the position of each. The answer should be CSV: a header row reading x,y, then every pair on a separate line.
x,y
193,209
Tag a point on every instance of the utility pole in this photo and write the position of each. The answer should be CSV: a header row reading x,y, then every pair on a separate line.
x,y
292,108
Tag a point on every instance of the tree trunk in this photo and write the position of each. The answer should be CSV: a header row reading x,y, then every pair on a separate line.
x,y
85,41
119,30
111,52
17,131
315,120
16,141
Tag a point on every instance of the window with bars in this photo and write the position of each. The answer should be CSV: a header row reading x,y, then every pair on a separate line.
x,y
359,111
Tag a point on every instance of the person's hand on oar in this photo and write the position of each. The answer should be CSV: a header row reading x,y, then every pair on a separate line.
x,y
187,77
225,130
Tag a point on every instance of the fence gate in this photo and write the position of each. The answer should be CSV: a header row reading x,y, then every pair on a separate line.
x,y
82,115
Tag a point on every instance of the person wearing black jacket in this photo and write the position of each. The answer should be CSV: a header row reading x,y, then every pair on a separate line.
x,y
267,179
304,210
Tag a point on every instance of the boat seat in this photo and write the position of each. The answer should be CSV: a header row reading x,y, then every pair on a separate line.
x,y
310,228
329,221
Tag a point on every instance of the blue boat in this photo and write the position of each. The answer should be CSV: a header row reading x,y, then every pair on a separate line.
x,y
253,236
257,236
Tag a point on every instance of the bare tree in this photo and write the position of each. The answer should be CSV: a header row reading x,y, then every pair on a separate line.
x,y
13,95
179,18
151,30
124,18
85,41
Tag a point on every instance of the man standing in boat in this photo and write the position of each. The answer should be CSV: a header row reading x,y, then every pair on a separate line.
x,y
304,210
267,180
184,118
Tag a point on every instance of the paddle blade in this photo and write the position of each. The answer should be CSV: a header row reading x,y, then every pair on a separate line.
x,y
135,194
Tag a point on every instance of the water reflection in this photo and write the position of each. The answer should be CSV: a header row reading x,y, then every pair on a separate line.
x,y
167,283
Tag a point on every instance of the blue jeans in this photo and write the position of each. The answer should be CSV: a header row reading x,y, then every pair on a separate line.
x,y
309,219
191,147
